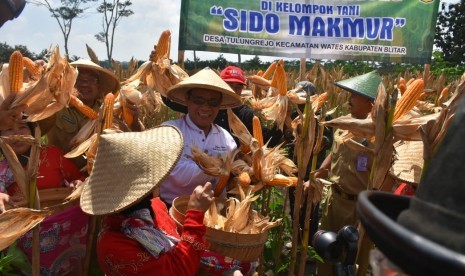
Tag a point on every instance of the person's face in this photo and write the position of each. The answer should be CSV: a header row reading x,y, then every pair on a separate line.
x,y
87,84
203,106
18,128
360,106
236,87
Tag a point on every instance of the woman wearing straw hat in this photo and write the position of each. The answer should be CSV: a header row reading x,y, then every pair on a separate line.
x,y
92,83
138,236
204,94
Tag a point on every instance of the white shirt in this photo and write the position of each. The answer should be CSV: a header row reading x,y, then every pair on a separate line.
x,y
187,175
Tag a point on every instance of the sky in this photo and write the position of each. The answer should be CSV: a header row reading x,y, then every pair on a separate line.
x,y
135,35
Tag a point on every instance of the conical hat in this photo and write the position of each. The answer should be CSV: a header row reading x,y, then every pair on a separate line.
x,y
108,82
129,166
365,85
408,161
208,79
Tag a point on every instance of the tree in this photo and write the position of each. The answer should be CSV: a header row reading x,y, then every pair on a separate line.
x,y
113,13
450,37
65,14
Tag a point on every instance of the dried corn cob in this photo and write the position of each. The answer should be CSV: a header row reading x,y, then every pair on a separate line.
x,y
279,80
127,115
257,131
162,48
15,72
222,181
32,67
108,110
270,70
244,179
411,95
280,180
84,109
402,87
443,96
410,81
260,81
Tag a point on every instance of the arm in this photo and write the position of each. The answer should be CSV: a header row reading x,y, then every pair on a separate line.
x,y
119,255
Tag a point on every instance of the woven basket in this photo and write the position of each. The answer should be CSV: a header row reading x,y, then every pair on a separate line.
x,y
242,247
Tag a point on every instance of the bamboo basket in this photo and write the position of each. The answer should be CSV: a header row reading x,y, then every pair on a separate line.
x,y
242,247
53,199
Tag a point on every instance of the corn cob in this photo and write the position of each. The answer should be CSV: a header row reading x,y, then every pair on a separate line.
x,y
411,95
127,115
31,66
270,70
108,110
244,179
402,87
15,72
443,96
410,81
402,81
257,131
162,48
279,80
222,181
84,109
257,80
280,180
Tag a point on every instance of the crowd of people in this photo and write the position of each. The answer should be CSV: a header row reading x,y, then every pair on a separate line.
x,y
138,236
203,98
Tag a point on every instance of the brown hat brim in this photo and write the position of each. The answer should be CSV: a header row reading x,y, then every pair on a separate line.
x,y
108,82
129,166
206,79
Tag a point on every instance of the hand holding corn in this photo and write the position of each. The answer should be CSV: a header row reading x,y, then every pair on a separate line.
x,y
9,115
201,198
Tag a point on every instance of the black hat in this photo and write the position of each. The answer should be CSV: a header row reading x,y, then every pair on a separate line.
x,y
425,234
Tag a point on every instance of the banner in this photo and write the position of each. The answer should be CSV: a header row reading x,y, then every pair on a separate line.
x,y
371,30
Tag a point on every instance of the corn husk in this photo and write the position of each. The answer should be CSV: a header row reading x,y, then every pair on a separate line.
x,y
15,222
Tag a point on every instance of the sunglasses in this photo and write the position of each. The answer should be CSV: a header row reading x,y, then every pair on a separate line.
x,y
202,101
15,10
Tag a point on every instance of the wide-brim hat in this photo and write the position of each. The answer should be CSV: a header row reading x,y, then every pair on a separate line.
x,y
408,161
365,85
108,82
424,234
129,166
207,79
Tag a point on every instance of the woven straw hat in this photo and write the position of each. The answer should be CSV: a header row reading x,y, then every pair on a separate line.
x,y
208,79
129,166
365,85
408,161
108,81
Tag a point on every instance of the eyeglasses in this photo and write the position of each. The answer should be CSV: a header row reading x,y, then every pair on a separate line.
x,y
15,10
202,101
87,81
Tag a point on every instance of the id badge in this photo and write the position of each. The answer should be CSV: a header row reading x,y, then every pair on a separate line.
x,y
362,161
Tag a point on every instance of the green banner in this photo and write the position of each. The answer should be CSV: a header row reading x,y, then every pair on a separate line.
x,y
372,30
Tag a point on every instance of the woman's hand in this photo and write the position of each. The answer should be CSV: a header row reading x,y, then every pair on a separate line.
x,y
5,199
201,198
75,184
